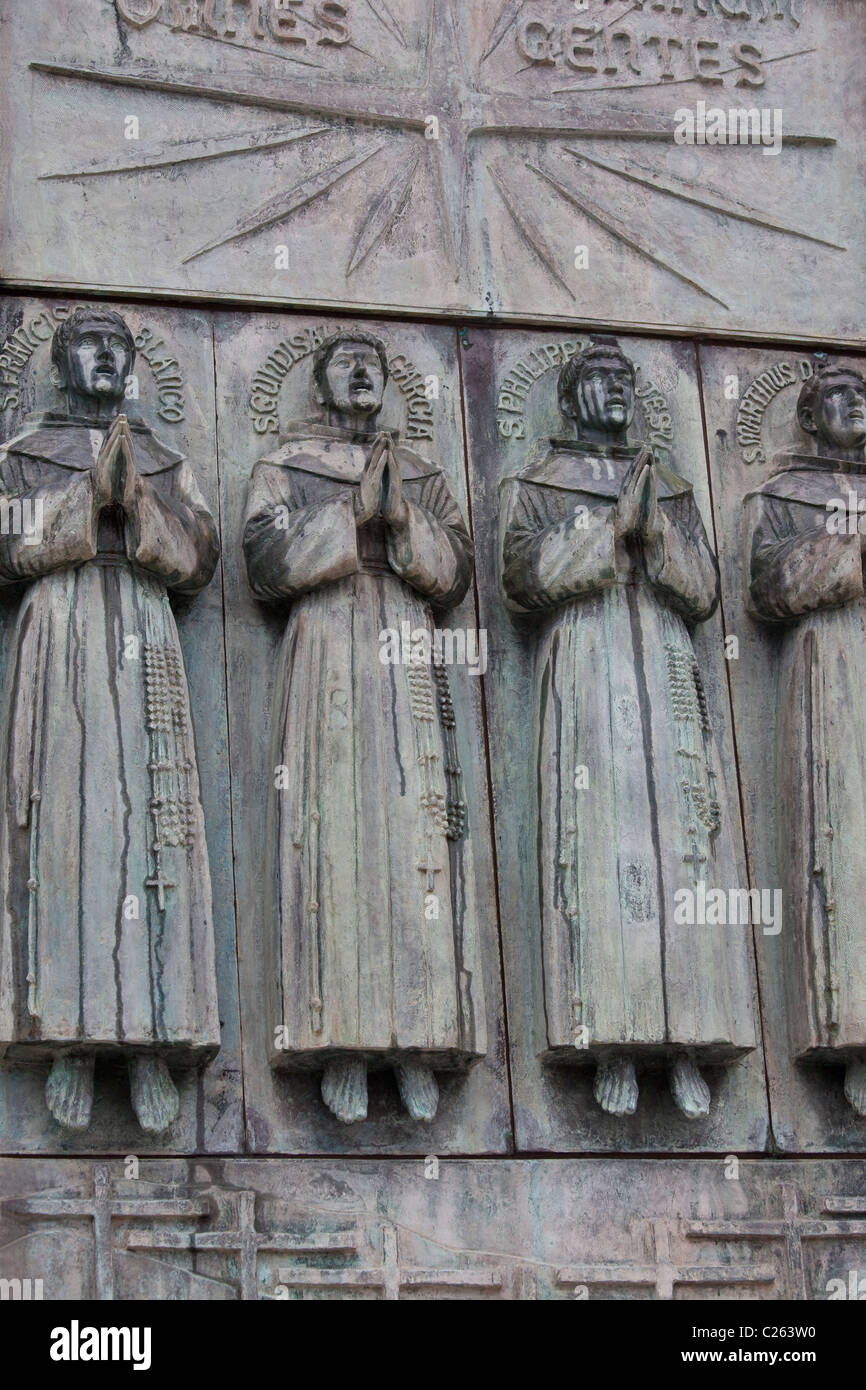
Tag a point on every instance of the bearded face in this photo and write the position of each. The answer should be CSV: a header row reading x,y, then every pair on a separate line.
x,y
354,380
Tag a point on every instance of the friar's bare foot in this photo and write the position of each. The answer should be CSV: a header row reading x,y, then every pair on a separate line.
x,y
855,1086
419,1089
615,1086
153,1093
344,1089
69,1090
689,1089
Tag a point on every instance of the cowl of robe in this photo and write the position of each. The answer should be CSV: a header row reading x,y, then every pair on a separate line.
x,y
369,910
807,577
632,803
106,933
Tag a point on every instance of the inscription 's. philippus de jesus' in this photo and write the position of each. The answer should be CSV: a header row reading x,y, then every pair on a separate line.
x,y
523,373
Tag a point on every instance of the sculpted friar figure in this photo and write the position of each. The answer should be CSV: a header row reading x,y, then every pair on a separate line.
x,y
607,550
806,575
369,916
106,939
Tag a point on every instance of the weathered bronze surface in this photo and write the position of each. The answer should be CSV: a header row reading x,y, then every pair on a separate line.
x,y
373,942
431,631
427,155
605,548
96,687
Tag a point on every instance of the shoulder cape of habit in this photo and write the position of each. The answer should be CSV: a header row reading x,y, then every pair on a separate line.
x,y
571,465
304,446
809,479
66,442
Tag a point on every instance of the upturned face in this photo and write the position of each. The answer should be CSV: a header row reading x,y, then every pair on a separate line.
x,y
98,362
604,398
840,417
355,382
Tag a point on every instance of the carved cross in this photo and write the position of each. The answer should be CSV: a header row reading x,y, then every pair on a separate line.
x,y
428,867
695,859
390,1276
663,1274
246,1241
102,1209
792,1228
160,883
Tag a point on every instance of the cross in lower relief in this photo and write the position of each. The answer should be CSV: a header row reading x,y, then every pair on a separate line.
x,y
390,1276
663,1274
792,1228
430,868
103,1208
245,1241
160,883
696,860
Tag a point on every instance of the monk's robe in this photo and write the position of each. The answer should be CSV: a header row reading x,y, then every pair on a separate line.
x,y
369,909
106,931
807,577
632,803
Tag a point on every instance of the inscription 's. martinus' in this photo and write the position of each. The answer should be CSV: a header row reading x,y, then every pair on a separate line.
x,y
764,389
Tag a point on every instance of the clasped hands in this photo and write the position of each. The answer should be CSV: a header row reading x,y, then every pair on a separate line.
x,y
637,511
114,476
380,492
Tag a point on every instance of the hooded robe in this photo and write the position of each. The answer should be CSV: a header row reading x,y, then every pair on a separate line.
x,y
807,577
106,933
369,910
632,804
